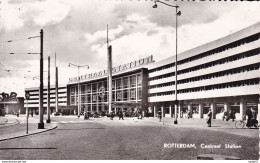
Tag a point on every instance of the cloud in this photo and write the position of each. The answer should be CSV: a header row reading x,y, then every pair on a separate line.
x,y
11,16
41,13
135,38
50,12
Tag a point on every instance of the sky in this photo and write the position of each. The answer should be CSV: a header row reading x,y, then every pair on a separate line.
x,y
77,32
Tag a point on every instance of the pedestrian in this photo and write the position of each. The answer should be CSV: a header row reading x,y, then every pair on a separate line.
x,y
88,114
140,114
232,115
85,115
111,115
254,115
209,118
249,117
32,113
120,114
225,116
188,114
160,116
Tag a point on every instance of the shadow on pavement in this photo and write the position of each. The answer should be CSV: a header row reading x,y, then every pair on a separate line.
x,y
80,129
25,148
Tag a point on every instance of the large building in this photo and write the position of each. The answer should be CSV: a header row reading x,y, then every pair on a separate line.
x,y
129,88
33,102
221,75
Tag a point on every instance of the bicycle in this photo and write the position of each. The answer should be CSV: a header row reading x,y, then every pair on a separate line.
x,y
241,124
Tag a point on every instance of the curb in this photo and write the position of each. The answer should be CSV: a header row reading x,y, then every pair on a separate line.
x,y
29,134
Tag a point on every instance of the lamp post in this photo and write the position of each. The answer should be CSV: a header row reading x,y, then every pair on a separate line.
x,y
78,84
178,13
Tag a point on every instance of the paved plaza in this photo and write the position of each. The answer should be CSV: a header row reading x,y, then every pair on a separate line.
x,y
69,137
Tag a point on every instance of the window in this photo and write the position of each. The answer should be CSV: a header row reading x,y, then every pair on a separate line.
x,y
139,80
88,88
118,84
94,87
119,96
132,94
133,81
125,82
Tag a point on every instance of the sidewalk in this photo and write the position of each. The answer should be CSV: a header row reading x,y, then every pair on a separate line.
x,y
12,127
217,125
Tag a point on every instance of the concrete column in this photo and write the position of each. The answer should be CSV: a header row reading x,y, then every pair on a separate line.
x,y
201,111
180,110
258,107
174,111
190,109
155,111
226,107
163,111
242,109
258,115
171,111
213,109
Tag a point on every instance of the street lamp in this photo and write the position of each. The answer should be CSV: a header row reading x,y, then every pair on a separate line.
x,y
78,84
178,13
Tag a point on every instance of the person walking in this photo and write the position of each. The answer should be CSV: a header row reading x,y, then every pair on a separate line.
x,y
160,116
249,117
254,118
111,115
85,115
120,114
209,118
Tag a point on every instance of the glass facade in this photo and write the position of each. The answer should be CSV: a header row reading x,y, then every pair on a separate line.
x,y
94,96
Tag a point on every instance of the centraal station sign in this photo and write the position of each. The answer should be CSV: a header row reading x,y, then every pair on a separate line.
x,y
115,70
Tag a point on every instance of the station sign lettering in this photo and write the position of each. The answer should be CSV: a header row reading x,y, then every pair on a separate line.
x,y
115,70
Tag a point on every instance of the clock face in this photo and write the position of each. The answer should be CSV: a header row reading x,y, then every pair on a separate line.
x,y
102,91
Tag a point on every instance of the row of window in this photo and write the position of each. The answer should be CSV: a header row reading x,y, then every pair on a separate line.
x,y
162,68
162,76
211,52
65,93
241,83
221,86
221,73
222,48
211,64
121,95
161,94
210,76
60,102
221,61
51,89
162,85
120,83
94,108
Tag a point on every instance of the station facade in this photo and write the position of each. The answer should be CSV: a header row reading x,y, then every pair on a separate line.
x,y
33,102
221,75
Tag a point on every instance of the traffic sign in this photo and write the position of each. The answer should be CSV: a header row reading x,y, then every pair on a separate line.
x,y
27,95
